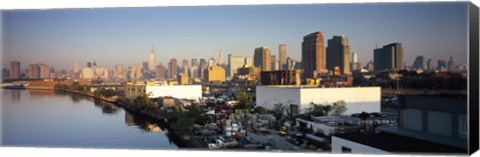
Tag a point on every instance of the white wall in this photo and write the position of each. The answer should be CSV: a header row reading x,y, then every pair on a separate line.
x,y
268,96
358,99
356,148
177,91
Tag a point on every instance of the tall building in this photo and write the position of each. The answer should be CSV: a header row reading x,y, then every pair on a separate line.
x,y
282,56
261,58
120,72
441,65
44,71
151,63
145,66
87,73
419,63
172,68
313,54
214,74
338,54
194,62
220,58
202,66
430,65
451,65
136,72
185,66
160,71
274,65
211,62
355,64
5,73
234,62
89,64
389,57
14,70
248,61
370,66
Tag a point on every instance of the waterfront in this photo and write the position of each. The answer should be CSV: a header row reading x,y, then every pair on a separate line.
x,y
41,118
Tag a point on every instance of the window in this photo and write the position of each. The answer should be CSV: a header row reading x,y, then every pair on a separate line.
x,y
346,150
463,127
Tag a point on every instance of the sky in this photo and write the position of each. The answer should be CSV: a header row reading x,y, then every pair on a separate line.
x,y
109,36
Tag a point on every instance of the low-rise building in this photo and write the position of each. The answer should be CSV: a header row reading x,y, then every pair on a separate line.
x,y
134,89
427,124
357,99
281,77
214,74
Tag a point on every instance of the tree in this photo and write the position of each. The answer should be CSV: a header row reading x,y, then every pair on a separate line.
x,y
279,110
244,101
315,110
339,107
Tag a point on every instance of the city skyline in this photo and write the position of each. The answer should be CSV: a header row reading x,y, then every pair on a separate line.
x,y
116,44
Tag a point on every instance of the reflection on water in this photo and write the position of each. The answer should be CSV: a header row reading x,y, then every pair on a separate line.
x,y
52,119
15,96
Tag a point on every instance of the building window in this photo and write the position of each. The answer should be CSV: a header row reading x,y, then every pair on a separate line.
x,y
346,150
463,127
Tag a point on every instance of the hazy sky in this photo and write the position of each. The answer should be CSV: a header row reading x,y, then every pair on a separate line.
x,y
111,36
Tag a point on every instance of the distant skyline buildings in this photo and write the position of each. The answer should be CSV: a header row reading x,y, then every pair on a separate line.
x,y
282,56
151,63
151,26
14,70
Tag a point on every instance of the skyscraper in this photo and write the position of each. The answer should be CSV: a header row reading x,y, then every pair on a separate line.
x,y
261,58
136,72
151,63
430,64
185,67
145,66
355,64
274,65
441,65
14,70
202,66
419,63
172,68
338,54
282,54
248,61
160,72
389,57
234,62
33,71
194,62
451,65
220,58
313,54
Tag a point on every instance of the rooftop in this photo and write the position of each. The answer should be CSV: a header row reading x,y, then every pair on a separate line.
x,y
400,144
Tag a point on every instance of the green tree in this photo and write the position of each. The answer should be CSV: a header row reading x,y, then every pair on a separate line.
x,y
339,107
244,101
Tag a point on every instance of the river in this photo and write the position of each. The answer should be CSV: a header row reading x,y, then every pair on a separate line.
x,y
42,118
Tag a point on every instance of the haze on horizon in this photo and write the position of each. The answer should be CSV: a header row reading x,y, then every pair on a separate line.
x,y
109,36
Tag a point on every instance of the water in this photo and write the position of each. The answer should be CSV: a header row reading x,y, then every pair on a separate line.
x,y
40,118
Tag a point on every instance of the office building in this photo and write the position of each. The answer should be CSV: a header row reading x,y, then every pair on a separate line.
x,y
389,57
145,66
248,61
203,65
172,68
430,65
313,54
14,70
234,62
220,58
419,63
183,79
136,72
5,73
160,72
275,64
441,65
151,62
185,66
262,58
338,54
451,65
282,56
214,74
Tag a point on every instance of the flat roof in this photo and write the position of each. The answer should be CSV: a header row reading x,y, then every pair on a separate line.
x,y
313,86
400,144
